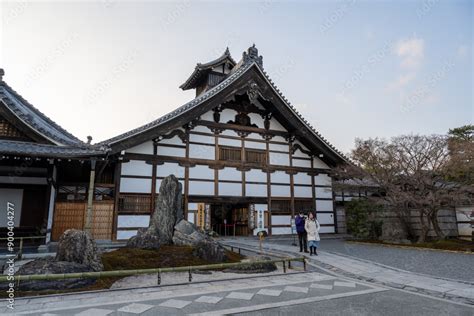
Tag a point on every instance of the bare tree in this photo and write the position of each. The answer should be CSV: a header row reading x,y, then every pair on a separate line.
x,y
411,173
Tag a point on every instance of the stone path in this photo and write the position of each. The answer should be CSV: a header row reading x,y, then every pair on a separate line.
x,y
378,273
209,298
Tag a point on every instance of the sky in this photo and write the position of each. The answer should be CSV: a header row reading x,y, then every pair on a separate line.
x,y
354,69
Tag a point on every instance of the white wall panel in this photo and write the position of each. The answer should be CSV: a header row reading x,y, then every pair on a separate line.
x,y
322,179
302,178
281,190
192,206
256,119
281,219
125,234
133,221
202,139
281,230
175,140
256,190
227,115
201,188
230,189
279,159
208,116
275,125
145,148
230,142
279,139
318,163
201,172
324,205
131,185
168,168
302,163
171,151
280,177
254,136
279,147
325,218
136,168
299,153
202,152
303,192
14,196
323,192
256,175
229,132
191,217
327,230
202,129
230,174
256,145
261,207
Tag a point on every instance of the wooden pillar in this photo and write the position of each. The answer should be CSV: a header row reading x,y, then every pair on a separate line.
x,y
216,170
117,173
51,194
186,177
243,164
269,189
292,181
313,188
90,198
153,179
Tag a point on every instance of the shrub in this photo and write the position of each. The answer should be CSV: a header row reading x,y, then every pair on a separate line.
x,y
360,219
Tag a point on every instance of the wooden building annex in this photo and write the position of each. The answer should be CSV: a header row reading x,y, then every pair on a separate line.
x,y
246,158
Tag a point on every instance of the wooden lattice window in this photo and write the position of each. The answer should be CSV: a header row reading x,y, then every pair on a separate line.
x,y
281,207
256,156
7,130
230,153
304,205
134,204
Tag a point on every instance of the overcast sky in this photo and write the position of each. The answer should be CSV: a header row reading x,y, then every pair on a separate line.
x,y
354,69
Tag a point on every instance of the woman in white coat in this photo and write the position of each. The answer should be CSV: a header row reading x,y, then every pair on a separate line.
x,y
312,229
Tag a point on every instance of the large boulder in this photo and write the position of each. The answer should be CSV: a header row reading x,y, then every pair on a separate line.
x,y
168,212
79,247
49,265
205,247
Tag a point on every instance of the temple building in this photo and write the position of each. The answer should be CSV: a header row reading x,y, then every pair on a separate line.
x,y
247,161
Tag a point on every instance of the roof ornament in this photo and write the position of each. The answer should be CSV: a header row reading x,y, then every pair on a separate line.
x,y
252,55
253,91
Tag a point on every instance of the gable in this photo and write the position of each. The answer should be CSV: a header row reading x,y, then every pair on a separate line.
x,y
10,132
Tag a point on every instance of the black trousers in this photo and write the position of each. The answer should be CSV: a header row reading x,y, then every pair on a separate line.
x,y
303,239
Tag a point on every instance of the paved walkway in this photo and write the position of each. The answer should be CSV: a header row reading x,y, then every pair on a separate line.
x,y
376,273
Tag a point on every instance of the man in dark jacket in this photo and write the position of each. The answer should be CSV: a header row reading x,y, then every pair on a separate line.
x,y
302,238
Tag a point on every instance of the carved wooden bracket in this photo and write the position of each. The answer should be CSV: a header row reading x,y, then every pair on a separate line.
x,y
177,132
186,164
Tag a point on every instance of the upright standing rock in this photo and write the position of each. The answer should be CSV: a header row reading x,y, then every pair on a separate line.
x,y
168,211
79,247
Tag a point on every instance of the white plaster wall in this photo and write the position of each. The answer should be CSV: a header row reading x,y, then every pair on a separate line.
x,y
256,119
230,174
192,206
256,175
256,190
230,142
322,179
201,128
202,151
202,139
227,115
229,132
302,178
281,230
279,159
280,190
145,148
279,147
275,125
201,188
318,163
256,145
281,219
230,189
254,136
201,172
279,139
171,151
261,207
208,116
131,185
14,196
280,177
325,218
125,234
175,140
302,163
133,221
303,192
168,168
327,230
324,205
136,168
323,192
191,217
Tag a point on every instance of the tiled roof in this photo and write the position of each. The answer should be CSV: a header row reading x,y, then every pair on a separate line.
x,y
32,117
203,68
8,147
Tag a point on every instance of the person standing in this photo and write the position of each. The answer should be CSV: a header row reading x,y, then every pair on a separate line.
x,y
312,229
300,222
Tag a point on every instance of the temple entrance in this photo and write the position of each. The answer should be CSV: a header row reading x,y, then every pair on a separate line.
x,y
230,219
